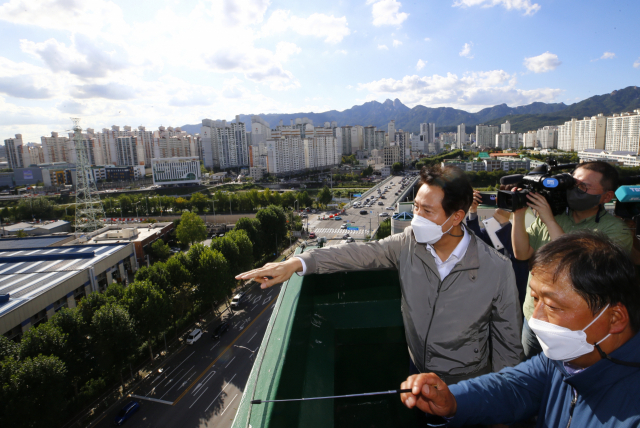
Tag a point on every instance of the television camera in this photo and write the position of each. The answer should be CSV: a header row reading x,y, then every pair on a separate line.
x,y
539,180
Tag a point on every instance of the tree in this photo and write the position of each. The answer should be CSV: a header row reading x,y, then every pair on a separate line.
x,y
160,250
273,224
212,277
397,167
288,199
198,201
251,226
70,323
21,234
180,204
114,337
149,306
367,171
245,248
304,200
39,208
384,230
324,196
90,304
33,391
231,253
191,229
157,274
8,348
45,339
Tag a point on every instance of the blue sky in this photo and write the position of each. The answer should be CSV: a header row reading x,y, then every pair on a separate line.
x,y
171,63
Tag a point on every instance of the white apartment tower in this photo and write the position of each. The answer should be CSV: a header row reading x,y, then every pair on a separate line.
x,y
285,153
147,140
567,136
33,154
590,133
486,135
224,144
14,148
623,133
428,132
548,137
57,148
505,128
391,131
508,140
369,138
461,136
530,140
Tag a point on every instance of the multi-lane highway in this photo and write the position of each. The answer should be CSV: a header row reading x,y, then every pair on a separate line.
x,y
202,385
331,229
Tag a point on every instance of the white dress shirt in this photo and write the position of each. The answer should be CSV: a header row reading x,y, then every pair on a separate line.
x,y
444,268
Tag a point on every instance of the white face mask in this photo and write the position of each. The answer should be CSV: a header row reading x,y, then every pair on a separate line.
x,y
560,343
426,231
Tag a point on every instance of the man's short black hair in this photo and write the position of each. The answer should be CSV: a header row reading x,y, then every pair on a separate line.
x,y
458,193
600,271
610,178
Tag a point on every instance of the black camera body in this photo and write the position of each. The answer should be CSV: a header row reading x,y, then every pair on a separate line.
x,y
539,180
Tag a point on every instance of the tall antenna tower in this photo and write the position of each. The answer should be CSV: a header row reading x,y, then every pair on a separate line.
x,y
89,211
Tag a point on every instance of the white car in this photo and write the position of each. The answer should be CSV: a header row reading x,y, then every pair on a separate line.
x,y
194,336
344,226
384,214
389,208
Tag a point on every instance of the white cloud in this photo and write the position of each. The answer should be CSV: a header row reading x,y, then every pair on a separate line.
x,y
328,27
542,63
245,12
466,51
342,51
427,39
473,91
111,91
387,12
608,55
420,65
83,58
524,5
637,63
396,43
67,15
383,47
349,87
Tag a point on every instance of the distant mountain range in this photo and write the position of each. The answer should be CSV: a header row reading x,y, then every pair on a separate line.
x,y
523,118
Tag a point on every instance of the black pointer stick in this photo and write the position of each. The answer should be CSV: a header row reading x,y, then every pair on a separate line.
x,y
393,391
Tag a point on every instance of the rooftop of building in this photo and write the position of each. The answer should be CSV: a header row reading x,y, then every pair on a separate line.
x,y
31,242
48,225
119,233
27,273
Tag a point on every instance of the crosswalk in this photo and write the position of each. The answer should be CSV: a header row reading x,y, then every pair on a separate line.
x,y
343,231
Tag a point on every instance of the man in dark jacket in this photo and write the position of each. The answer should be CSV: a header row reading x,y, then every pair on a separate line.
x,y
587,318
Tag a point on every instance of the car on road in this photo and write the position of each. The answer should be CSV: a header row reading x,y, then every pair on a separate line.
x,y
350,239
194,336
220,330
345,236
312,235
175,250
126,412
237,300
384,214
380,203
389,208
363,211
383,197
304,215
337,217
344,226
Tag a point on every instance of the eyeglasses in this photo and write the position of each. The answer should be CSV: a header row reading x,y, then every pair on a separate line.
x,y
583,187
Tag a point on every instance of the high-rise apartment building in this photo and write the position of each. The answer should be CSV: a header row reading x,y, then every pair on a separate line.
x,y
129,151
391,132
369,138
225,145
345,136
15,155
505,128
486,135
33,154
285,153
391,155
147,140
548,137
107,140
623,133
56,148
590,133
461,139
530,140
507,141
567,135
320,152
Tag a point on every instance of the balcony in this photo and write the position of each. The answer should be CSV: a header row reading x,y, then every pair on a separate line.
x,y
331,335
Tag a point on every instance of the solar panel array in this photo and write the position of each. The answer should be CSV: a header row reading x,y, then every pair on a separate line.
x,y
11,244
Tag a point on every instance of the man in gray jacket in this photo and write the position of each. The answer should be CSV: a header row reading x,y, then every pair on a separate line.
x,y
460,305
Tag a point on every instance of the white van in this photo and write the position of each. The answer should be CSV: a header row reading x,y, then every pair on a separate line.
x,y
237,300
194,336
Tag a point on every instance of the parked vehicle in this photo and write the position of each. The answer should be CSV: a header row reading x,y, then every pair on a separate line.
x,y
312,235
237,300
194,336
363,211
126,412
337,217
220,330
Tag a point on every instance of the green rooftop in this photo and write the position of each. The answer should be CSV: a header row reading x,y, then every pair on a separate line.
x,y
331,335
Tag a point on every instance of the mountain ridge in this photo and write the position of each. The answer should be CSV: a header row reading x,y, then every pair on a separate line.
x,y
408,119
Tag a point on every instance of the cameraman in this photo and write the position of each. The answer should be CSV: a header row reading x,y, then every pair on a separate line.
x,y
596,183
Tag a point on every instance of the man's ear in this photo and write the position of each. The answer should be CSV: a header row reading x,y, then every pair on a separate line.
x,y
619,318
458,216
608,196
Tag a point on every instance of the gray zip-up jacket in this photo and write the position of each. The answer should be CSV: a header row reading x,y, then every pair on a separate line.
x,y
466,325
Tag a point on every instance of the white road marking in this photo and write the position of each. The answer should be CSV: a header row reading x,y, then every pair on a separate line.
x,y
142,397
254,335
266,300
225,387
194,401
201,384
225,409
214,346
230,362
174,385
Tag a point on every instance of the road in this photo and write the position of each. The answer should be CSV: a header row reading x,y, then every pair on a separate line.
x,y
331,230
202,385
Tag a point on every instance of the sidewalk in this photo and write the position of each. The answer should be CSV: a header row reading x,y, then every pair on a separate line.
x,y
94,412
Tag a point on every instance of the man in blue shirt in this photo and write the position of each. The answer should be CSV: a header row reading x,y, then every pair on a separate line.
x,y
587,318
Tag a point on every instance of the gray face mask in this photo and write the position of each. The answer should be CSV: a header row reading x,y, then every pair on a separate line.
x,y
581,201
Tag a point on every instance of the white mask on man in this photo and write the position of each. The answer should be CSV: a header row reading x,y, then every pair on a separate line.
x,y
560,343
426,231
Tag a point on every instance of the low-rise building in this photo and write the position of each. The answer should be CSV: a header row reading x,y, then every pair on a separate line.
x,y
175,171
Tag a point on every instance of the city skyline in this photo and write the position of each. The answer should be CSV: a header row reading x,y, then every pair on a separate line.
x,y
113,63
